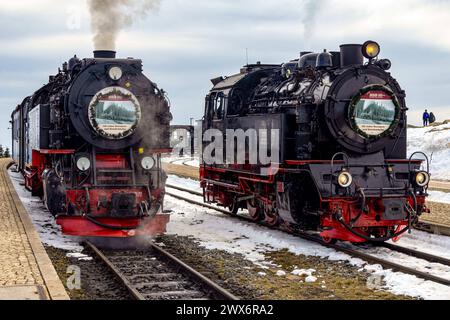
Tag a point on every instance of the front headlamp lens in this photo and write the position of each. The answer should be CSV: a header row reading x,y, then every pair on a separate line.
x,y
371,49
422,179
148,163
83,164
345,180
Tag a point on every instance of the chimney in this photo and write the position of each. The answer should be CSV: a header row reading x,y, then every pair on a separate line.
x,y
351,54
104,54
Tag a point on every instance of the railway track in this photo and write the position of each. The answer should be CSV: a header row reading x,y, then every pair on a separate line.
x,y
184,163
433,228
155,274
350,251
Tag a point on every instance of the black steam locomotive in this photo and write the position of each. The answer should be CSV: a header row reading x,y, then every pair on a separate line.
x,y
342,164
90,143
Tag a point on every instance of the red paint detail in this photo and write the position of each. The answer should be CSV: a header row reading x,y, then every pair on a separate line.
x,y
305,162
82,227
280,186
202,174
399,229
340,233
370,223
405,161
98,195
33,172
214,169
62,151
111,161
377,95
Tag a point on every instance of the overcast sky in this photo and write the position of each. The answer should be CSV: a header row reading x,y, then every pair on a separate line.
x,y
188,42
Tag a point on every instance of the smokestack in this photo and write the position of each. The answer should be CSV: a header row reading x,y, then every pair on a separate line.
x,y
351,54
104,54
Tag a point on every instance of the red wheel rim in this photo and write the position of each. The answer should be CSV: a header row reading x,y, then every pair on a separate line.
x,y
254,211
272,220
329,240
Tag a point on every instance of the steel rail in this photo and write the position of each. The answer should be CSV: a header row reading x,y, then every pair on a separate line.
x,y
417,254
311,237
433,228
119,275
217,290
213,289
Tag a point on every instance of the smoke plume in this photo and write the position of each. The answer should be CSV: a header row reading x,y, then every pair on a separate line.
x,y
109,17
311,11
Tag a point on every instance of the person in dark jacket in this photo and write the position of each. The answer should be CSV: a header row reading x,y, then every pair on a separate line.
x,y
432,118
426,118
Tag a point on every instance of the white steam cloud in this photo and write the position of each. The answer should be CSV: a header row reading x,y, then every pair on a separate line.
x,y
311,10
109,17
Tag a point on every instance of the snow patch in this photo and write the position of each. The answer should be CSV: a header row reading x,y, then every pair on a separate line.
x,y
45,224
435,143
310,279
438,196
79,256
303,272
184,183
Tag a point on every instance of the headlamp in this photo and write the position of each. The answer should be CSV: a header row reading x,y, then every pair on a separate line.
x,y
147,163
83,164
371,50
345,179
422,179
115,73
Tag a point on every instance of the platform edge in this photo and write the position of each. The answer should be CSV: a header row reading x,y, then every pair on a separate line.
x,y
55,288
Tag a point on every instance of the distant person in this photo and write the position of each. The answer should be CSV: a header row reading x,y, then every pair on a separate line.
x,y
432,118
426,118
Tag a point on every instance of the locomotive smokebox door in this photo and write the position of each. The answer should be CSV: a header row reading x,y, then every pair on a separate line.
x,y
393,209
123,205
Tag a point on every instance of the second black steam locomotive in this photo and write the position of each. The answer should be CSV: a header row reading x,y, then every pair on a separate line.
x,y
343,168
90,143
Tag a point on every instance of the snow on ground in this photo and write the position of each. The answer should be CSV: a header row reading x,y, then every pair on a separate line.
x,y
44,222
435,143
426,242
438,270
193,163
438,196
215,231
186,160
184,183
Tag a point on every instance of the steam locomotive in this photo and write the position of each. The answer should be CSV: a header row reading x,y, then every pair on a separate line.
x,y
341,127
90,143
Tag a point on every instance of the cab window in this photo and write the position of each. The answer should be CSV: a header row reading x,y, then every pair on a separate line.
x,y
217,102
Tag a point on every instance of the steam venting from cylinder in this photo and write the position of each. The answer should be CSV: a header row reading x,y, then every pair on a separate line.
x,y
109,17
